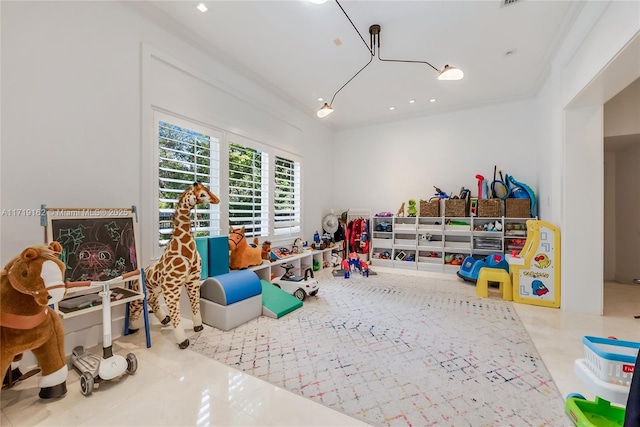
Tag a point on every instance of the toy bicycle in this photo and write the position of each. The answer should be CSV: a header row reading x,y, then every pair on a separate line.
x,y
93,368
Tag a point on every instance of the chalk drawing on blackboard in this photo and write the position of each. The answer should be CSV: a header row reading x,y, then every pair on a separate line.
x,y
95,249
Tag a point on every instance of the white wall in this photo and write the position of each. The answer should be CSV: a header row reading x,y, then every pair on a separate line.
x,y
381,166
597,60
611,192
622,112
627,214
72,112
72,116
549,169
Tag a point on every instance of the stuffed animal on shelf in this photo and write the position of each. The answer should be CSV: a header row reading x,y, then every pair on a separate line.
x,y
266,250
28,284
242,253
411,210
401,210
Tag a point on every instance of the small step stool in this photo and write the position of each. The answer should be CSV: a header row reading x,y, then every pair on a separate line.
x,y
494,275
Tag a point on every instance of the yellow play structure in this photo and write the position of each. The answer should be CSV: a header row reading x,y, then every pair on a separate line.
x,y
535,273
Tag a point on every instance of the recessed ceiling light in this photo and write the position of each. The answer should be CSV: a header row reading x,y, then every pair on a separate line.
x,y
320,99
202,8
318,1
413,101
432,100
392,108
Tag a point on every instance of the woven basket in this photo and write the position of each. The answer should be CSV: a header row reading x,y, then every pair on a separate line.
x,y
490,208
518,208
430,208
456,208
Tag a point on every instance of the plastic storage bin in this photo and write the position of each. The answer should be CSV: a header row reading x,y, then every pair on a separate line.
x,y
611,360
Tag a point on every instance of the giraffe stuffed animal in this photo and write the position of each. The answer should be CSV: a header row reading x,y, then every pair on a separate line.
x,y
180,265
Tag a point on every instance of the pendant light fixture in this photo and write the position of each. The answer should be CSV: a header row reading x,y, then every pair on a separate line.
x,y
447,73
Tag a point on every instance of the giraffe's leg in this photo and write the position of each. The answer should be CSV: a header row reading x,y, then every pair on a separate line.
x,y
193,290
154,303
171,292
135,309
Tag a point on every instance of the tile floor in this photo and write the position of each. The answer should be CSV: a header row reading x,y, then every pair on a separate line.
x,y
175,387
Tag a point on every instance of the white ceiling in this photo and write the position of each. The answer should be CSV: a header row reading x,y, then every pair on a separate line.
x,y
288,47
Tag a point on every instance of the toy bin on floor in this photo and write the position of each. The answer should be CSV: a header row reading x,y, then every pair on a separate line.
x,y
231,299
607,370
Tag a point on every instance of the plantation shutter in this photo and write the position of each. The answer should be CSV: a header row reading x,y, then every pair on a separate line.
x,y
249,190
286,197
185,156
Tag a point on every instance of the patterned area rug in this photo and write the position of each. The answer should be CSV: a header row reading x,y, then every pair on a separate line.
x,y
399,350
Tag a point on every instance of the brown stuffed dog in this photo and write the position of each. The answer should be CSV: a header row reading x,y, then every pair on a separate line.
x,y
29,283
242,254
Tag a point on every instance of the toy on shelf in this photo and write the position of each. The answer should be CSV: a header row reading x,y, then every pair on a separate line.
x,y
297,286
30,282
482,187
381,255
384,226
440,194
400,210
93,368
266,250
243,254
279,253
412,211
489,226
297,246
520,190
607,369
458,259
180,265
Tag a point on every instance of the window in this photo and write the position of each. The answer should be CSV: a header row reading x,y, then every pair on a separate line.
x,y
250,201
249,190
186,155
259,186
287,197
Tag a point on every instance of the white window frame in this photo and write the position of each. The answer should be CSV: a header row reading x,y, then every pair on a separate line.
x,y
293,230
220,184
260,220
292,226
214,183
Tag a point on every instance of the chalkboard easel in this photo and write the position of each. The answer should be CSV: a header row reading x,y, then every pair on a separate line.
x,y
98,244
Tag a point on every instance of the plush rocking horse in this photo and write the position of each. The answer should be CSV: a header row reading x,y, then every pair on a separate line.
x,y
242,253
29,283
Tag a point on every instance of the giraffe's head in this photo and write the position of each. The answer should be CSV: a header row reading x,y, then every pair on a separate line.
x,y
199,194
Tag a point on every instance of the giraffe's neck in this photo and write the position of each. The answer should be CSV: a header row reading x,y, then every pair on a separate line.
x,y
182,220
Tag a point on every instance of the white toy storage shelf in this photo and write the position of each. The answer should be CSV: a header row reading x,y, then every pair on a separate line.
x,y
301,262
423,243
